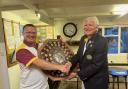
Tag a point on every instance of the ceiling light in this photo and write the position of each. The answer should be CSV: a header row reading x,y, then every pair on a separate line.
x,y
121,13
120,9
37,14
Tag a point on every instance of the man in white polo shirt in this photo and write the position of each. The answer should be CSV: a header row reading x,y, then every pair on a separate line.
x,y
31,66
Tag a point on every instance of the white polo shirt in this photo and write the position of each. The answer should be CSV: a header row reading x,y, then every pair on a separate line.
x,y
31,76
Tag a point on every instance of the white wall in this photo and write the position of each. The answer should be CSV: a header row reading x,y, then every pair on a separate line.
x,y
14,76
58,28
13,72
4,80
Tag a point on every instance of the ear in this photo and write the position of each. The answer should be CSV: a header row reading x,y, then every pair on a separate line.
x,y
97,26
23,33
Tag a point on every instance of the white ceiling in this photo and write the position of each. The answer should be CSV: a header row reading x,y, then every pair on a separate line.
x,y
52,9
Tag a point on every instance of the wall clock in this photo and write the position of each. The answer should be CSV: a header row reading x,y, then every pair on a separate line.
x,y
70,30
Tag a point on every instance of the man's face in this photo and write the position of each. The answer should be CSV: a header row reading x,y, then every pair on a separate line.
x,y
90,27
29,34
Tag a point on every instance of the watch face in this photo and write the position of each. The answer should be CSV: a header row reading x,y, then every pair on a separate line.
x,y
70,29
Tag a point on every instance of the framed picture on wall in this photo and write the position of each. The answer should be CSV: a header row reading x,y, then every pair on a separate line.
x,y
9,41
17,40
41,34
124,40
12,40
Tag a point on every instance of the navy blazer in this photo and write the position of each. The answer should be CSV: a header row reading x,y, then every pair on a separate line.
x,y
93,63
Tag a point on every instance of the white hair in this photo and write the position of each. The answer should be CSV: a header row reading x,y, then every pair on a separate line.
x,y
93,18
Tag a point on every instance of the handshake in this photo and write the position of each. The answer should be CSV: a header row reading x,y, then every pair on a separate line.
x,y
65,69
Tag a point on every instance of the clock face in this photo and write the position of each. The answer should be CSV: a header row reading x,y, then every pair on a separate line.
x,y
70,29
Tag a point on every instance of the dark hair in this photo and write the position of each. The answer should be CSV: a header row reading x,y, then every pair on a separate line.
x,y
58,36
28,25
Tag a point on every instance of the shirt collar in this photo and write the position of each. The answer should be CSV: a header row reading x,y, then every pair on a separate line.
x,y
29,44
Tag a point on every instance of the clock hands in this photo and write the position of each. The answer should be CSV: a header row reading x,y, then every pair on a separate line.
x,y
70,29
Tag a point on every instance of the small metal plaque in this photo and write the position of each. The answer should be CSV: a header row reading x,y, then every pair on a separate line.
x,y
55,51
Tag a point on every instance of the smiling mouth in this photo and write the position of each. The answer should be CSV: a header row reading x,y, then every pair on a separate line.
x,y
32,38
87,31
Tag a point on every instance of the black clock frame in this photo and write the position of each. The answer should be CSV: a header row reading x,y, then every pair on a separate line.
x,y
70,36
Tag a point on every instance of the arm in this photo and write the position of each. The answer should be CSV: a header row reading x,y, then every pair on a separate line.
x,y
49,66
70,76
99,60
55,78
77,56
25,57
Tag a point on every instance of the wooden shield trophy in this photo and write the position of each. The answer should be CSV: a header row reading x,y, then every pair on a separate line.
x,y
55,51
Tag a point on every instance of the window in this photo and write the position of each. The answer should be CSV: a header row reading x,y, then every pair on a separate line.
x,y
111,33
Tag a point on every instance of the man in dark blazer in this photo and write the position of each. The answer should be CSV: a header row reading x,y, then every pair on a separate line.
x,y
92,57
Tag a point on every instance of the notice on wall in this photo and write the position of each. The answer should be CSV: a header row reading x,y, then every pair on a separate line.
x,y
49,32
17,37
11,42
9,34
8,28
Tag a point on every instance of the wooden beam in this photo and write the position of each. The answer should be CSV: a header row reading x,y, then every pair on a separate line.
x,y
15,7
